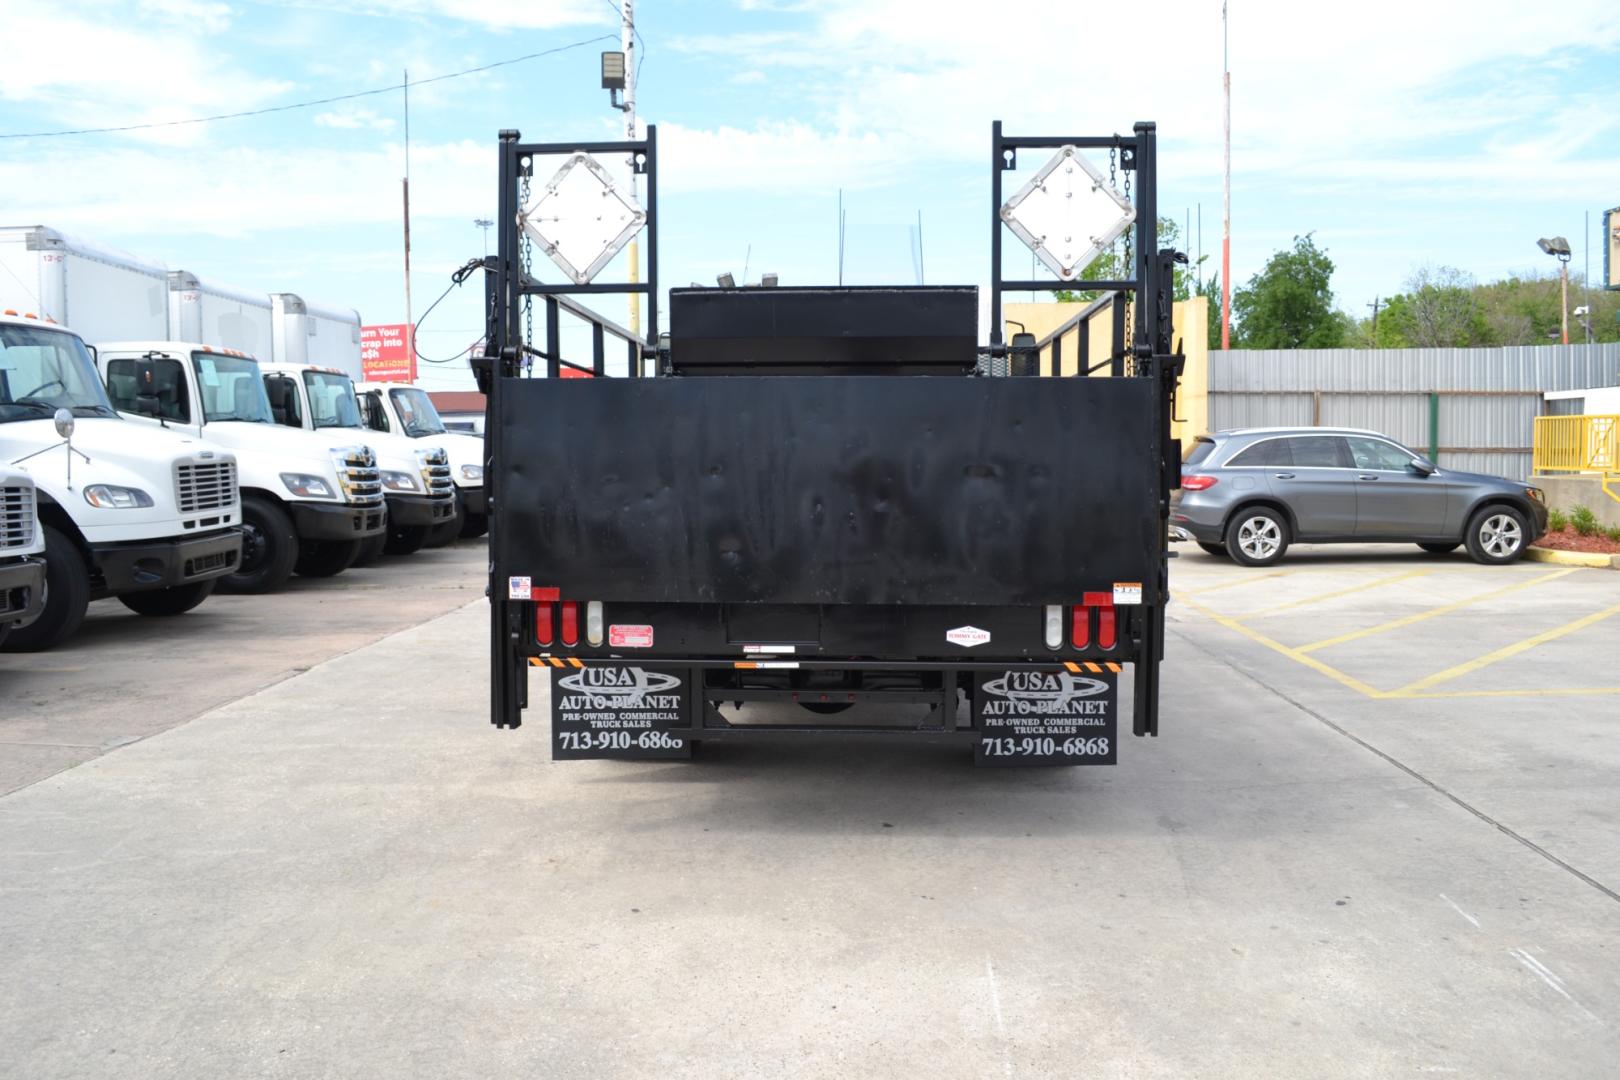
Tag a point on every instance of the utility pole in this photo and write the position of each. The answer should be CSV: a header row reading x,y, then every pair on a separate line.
x,y
627,42
1374,305
405,184
1226,192
1563,291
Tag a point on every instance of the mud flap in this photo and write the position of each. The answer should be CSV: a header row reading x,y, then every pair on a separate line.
x,y
617,710
1046,716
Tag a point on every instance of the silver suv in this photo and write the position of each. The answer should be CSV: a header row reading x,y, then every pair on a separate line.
x,y
1249,493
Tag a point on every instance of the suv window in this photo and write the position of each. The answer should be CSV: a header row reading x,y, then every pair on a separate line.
x,y
165,396
1265,454
1319,451
1379,455
1198,451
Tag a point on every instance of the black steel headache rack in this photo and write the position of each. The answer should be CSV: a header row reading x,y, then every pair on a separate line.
x,y
809,501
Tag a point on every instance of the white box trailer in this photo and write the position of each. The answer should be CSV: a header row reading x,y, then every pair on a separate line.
x,y
309,333
96,291
201,310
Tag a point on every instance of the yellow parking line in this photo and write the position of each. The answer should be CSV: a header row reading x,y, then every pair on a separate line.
x,y
1508,650
1431,613
1240,581
1336,593
1550,691
1293,654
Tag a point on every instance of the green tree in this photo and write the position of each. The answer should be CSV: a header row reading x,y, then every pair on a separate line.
x,y
1211,291
1289,304
1110,266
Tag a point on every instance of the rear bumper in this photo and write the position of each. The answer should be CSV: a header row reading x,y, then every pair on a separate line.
x,y
313,521
126,568
420,510
22,591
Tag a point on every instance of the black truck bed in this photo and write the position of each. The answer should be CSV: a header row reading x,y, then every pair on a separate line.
x,y
828,489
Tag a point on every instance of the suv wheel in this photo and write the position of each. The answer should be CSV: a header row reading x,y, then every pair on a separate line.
x,y
1496,535
1257,536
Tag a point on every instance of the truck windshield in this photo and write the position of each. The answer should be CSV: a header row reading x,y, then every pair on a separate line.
x,y
331,400
416,412
42,370
231,388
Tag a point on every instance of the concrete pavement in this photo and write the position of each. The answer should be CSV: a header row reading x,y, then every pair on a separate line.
x,y
295,884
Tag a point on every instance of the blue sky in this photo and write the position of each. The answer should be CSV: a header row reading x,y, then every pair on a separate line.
x,y
1400,133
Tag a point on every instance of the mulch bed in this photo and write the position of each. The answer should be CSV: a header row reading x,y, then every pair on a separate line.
x,y
1569,540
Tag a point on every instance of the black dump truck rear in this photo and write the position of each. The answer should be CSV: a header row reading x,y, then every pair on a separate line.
x,y
827,512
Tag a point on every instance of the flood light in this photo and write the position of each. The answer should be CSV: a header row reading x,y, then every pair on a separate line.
x,y
1556,245
767,281
613,71
726,281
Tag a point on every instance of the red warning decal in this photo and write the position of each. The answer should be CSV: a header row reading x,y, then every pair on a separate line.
x,y
630,637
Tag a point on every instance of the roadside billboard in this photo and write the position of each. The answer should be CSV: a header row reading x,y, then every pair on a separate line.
x,y
387,353
1611,248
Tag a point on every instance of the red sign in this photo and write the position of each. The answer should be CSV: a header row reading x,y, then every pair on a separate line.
x,y
566,372
387,353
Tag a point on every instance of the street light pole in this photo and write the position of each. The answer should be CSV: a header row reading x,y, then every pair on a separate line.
x,y
1558,247
627,42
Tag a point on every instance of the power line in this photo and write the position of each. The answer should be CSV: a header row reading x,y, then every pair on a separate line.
x,y
305,104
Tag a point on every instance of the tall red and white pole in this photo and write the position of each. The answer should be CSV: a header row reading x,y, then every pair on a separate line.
x,y
1226,193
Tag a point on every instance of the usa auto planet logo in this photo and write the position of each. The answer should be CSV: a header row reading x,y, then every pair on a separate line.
x,y
618,687
1034,692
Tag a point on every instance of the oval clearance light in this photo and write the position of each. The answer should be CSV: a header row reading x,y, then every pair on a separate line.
x,y
570,622
1054,626
542,624
593,622
1197,482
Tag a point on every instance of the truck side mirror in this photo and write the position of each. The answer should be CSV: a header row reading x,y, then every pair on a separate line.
x,y
1024,355
64,423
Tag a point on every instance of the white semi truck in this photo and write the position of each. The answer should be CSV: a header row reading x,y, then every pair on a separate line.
x,y
148,516
402,409
310,500
416,480
22,552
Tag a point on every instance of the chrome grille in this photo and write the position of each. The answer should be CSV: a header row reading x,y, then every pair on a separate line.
x,y
361,479
205,485
16,517
436,474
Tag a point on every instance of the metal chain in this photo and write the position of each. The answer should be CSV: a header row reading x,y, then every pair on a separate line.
x,y
526,260
1130,271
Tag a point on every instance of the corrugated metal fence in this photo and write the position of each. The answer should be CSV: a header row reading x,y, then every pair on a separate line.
x,y
1477,407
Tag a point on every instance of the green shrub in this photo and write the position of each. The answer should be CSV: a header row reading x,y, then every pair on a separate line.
x,y
1556,520
1613,533
1584,520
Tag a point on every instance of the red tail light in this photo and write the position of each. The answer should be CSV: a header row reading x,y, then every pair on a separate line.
x,y
542,624
1197,482
1105,627
1081,631
570,622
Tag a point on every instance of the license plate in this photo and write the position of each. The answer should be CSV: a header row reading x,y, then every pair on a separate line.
x,y
1046,716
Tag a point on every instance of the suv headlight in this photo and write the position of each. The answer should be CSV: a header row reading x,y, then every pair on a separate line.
x,y
400,481
306,486
474,473
113,497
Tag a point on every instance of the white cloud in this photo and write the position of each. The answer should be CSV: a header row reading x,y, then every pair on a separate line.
x,y
497,15
204,15
242,190
119,73
354,119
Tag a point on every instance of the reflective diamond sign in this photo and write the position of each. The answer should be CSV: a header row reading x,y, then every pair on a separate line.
x,y
1068,214
581,219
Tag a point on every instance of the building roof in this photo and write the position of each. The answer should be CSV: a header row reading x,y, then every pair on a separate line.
x,y
457,401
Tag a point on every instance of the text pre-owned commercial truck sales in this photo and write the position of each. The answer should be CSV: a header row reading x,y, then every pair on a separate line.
x,y
809,501
146,515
